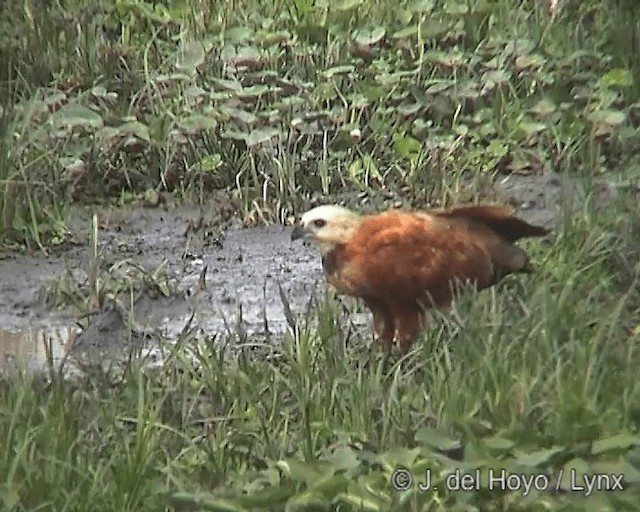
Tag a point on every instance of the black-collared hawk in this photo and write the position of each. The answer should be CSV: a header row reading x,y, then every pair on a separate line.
x,y
400,263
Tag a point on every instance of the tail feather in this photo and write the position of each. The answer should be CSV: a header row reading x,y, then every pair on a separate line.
x,y
498,218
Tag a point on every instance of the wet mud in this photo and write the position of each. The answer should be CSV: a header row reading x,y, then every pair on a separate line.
x,y
216,282
204,275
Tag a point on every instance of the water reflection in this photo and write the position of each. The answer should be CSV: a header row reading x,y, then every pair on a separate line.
x,y
34,349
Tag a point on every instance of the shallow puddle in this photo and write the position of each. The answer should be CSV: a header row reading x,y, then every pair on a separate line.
x,y
234,284
34,349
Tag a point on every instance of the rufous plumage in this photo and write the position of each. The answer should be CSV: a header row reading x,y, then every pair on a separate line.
x,y
401,263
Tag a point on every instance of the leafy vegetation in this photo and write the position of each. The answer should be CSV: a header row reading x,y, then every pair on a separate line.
x,y
282,103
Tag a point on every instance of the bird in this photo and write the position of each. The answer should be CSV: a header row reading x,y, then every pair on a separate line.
x,y
402,262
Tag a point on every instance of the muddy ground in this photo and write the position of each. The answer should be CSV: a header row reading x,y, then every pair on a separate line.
x,y
244,267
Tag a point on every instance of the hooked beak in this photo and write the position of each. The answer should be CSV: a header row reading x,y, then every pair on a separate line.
x,y
299,232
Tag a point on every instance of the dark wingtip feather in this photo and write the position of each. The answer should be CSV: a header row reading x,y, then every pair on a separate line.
x,y
498,218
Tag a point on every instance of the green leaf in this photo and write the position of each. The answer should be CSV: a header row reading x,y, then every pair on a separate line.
x,y
532,127
330,486
369,37
271,497
255,91
436,439
9,496
190,56
204,502
238,35
338,70
573,471
406,146
616,467
434,29
538,457
259,136
456,8
531,61
497,77
608,117
544,108
307,472
617,77
197,123
421,6
622,441
74,115
405,32
398,457
355,502
499,444
343,458
305,501
346,5
210,163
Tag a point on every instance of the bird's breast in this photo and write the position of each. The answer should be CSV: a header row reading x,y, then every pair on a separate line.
x,y
335,268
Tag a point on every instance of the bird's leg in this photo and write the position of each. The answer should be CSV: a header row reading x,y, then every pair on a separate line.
x,y
382,322
410,319
383,327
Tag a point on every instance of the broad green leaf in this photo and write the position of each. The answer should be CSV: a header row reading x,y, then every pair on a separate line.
x,y
306,501
338,70
448,59
531,127
369,37
617,77
239,115
205,502
433,29
499,444
408,109
456,8
398,457
74,115
346,5
307,472
222,84
616,467
9,496
236,35
421,6
544,108
343,458
538,457
405,32
190,56
406,145
530,61
259,136
608,117
622,441
255,91
496,77
436,439
136,128
572,472
330,486
270,497
355,502
197,123
210,163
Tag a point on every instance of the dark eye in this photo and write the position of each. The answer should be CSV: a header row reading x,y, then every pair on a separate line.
x,y
319,223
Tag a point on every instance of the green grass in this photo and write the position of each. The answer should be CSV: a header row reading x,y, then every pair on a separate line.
x,y
536,377
112,101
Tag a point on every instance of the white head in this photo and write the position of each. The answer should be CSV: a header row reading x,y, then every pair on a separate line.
x,y
326,226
